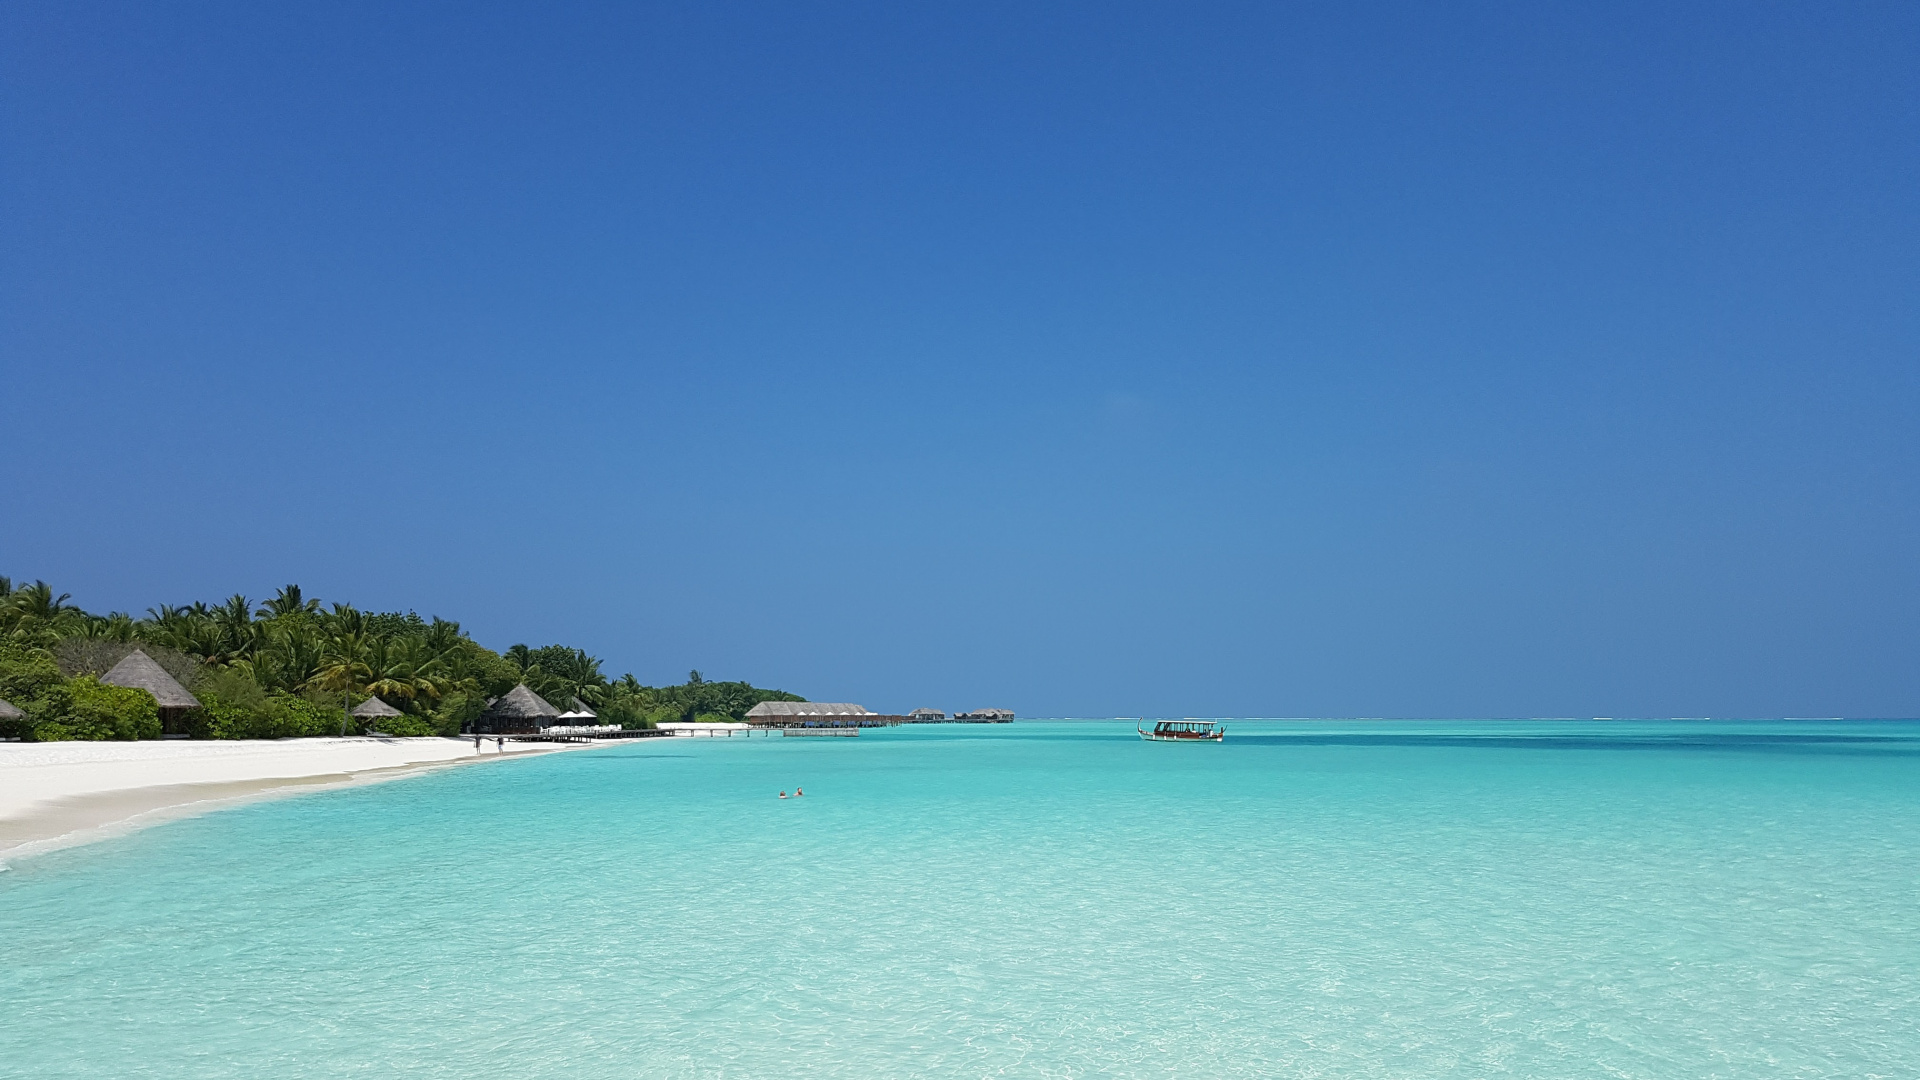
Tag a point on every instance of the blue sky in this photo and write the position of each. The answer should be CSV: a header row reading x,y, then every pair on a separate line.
x,y
1393,359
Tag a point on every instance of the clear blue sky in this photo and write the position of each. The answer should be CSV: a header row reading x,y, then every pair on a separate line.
x,y
1394,359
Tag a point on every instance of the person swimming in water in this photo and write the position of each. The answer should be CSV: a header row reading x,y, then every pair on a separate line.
x,y
783,794
797,793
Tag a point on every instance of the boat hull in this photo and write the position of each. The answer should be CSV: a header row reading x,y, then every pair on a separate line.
x,y
1217,736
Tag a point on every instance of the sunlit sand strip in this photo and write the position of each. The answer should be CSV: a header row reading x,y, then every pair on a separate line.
x,y
55,795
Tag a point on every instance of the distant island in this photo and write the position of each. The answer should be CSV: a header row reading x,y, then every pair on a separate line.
x,y
291,666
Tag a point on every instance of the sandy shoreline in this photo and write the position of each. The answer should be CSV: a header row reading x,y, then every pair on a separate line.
x,y
55,795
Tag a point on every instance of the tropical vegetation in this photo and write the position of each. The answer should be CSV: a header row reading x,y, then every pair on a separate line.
x,y
291,666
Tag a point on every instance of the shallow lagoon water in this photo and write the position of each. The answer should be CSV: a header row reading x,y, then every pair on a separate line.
x,y
1309,899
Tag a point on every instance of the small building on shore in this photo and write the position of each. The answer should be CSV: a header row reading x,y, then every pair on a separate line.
x,y
138,671
986,716
373,710
926,716
519,711
817,714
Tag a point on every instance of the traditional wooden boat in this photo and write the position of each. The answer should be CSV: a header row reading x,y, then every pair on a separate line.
x,y
1184,731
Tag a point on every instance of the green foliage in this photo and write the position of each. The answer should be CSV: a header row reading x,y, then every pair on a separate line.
x,y
558,673
457,710
233,685
280,716
85,708
392,624
283,668
492,674
26,673
114,626
32,615
632,705
97,656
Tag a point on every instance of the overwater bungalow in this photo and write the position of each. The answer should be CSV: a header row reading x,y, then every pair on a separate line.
x,y
794,714
986,716
519,711
926,716
138,671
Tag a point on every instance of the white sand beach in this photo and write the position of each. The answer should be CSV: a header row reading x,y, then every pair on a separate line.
x,y
61,793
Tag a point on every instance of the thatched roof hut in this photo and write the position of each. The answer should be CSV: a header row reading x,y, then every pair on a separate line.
x,y
139,672
518,710
10,711
925,716
991,716
374,709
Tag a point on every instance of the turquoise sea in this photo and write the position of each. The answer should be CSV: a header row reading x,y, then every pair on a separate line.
x,y
1310,899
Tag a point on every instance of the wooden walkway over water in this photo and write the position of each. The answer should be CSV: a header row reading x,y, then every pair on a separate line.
x,y
573,736
846,731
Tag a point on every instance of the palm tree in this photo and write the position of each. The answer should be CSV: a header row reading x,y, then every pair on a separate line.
x,y
32,614
113,626
289,656
36,601
344,652
443,635
288,601
166,625
344,645
238,636
557,673
406,669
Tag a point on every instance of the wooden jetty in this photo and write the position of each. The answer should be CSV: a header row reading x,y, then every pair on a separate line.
x,y
550,735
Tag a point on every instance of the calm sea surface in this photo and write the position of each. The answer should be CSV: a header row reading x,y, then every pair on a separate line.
x,y
1310,899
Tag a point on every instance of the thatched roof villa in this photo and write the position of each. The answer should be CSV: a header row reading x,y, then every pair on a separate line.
x,y
926,716
519,711
987,716
817,714
138,671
